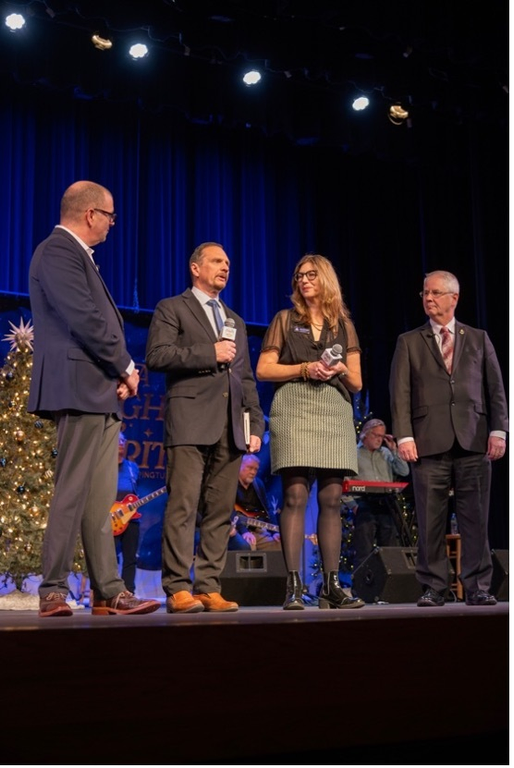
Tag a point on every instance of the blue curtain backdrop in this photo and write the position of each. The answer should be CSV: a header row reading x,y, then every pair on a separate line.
x,y
402,202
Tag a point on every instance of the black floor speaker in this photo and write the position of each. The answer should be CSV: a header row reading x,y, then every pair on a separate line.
x,y
254,578
500,580
388,575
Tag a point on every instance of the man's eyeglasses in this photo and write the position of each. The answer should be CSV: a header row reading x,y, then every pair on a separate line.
x,y
311,275
376,434
111,216
435,294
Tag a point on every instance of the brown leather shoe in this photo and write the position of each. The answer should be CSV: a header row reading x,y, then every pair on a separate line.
x,y
183,602
213,601
123,603
54,604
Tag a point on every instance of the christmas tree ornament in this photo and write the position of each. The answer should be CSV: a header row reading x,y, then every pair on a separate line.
x,y
22,336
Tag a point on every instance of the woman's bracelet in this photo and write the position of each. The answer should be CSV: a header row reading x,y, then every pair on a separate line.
x,y
304,371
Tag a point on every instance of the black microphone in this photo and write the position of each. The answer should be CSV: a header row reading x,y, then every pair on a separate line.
x,y
228,330
332,355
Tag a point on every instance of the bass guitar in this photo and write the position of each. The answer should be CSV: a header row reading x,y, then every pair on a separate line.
x,y
122,512
263,526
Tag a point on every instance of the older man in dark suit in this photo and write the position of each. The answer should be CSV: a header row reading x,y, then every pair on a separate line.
x,y
210,387
81,370
449,414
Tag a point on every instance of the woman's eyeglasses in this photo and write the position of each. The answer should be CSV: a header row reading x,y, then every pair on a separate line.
x,y
311,275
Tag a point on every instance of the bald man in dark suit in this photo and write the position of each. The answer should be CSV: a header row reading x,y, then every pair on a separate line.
x,y
209,387
450,420
81,370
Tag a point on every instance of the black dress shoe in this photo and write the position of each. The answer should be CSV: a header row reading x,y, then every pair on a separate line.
x,y
480,597
431,598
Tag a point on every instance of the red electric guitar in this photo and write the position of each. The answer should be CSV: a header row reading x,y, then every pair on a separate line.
x,y
122,512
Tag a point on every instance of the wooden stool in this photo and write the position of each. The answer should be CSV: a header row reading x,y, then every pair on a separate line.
x,y
453,552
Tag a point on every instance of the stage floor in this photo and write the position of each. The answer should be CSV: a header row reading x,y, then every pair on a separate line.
x,y
384,684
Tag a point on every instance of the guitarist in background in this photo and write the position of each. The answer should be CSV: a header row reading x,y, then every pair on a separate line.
x,y
252,501
127,543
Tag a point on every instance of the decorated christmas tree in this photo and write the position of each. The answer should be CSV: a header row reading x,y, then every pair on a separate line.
x,y
27,465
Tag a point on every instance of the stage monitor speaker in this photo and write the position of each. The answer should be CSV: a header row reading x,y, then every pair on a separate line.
x,y
500,580
388,575
254,578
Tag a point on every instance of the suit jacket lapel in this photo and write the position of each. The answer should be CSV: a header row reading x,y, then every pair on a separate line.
x,y
107,292
429,338
458,344
198,311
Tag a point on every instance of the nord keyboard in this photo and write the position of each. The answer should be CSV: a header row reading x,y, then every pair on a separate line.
x,y
371,486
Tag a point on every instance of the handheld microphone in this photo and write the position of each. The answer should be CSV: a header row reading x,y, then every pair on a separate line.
x,y
228,330
332,355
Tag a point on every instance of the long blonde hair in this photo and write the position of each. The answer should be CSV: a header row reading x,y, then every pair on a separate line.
x,y
332,303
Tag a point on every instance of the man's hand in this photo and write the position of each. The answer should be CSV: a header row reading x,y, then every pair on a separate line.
x,y
225,351
250,539
122,390
496,448
390,442
255,444
408,451
132,382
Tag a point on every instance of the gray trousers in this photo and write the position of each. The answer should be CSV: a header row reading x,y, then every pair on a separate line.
x,y
86,479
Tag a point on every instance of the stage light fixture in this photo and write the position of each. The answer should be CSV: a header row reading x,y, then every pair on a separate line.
x,y
397,114
102,43
14,22
360,103
138,50
252,77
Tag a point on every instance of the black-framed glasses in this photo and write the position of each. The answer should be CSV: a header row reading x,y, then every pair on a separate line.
x,y
311,275
111,216
435,294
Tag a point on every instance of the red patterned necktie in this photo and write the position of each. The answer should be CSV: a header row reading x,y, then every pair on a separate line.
x,y
447,348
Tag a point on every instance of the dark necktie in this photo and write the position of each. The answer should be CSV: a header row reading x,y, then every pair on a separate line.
x,y
217,316
447,348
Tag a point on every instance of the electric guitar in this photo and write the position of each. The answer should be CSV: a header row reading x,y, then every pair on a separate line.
x,y
262,525
122,512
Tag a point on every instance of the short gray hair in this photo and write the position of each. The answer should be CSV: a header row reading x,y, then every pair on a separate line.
x,y
450,281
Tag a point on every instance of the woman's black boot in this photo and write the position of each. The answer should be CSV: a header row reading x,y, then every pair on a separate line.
x,y
333,595
294,591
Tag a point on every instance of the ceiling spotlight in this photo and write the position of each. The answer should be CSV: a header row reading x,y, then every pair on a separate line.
x,y
252,77
397,114
14,21
138,51
361,103
102,43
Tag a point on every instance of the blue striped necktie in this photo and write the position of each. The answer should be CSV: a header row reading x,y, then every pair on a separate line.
x,y
217,315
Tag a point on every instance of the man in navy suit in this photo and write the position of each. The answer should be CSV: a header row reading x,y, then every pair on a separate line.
x,y
449,414
81,370
210,390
